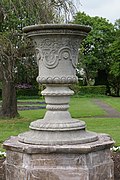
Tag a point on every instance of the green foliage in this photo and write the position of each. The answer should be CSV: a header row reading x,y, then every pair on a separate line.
x,y
114,53
28,97
17,54
100,51
27,92
18,14
75,88
95,45
0,90
0,93
0,85
93,90
15,15
87,90
17,59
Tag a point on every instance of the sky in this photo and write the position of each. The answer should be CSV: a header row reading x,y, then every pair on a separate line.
x,y
109,9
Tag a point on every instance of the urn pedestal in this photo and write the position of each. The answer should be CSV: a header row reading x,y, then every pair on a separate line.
x,y
58,147
57,55
89,161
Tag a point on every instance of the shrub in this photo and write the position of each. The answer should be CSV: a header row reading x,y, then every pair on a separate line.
x,y
83,90
27,92
0,93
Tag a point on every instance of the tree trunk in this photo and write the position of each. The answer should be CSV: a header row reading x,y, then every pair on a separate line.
x,y
9,101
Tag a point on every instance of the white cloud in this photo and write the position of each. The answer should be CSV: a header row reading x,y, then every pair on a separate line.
x,y
109,9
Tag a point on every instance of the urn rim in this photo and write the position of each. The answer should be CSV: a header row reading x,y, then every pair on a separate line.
x,y
39,27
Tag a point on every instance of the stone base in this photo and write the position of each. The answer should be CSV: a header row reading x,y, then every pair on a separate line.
x,y
2,169
90,161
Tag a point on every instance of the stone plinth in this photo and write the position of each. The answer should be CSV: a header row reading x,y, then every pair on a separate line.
x,y
58,147
2,169
89,161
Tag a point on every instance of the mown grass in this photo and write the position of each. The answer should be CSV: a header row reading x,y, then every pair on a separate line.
x,y
113,101
109,126
81,108
84,107
12,127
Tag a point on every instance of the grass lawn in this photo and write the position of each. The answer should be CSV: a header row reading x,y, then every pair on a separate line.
x,y
82,108
79,107
109,126
113,101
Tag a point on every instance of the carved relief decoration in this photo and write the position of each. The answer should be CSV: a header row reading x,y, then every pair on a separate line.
x,y
39,55
57,80
52,50
65,54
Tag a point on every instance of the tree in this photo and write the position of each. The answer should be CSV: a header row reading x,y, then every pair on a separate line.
x,y
94,58
10,47
7,63
16,54
114,53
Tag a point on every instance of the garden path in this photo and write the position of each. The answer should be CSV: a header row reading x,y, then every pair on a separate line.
x,y
111,112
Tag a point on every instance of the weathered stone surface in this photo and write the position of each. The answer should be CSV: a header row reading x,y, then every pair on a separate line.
x,y
15,173
2,170
57,53
116,159
104,142
58,147
59,174
104,171
66,162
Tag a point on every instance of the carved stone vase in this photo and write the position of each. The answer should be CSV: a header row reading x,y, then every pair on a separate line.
x,y
57,56
58,147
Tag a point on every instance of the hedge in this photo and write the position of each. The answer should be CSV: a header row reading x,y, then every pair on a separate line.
x,y
82,90
0,93
79,90
27,92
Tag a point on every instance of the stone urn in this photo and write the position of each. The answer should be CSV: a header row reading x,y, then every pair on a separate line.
x,y
57,49
58,147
